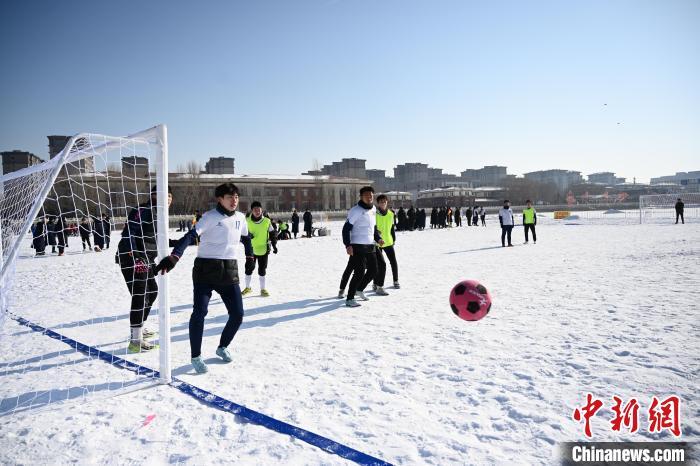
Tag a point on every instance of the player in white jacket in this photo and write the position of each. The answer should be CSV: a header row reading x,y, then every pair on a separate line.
x,y
507,220
215,269
359,236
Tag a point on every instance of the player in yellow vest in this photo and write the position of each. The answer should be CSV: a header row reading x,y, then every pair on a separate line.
x,y
529,221
262,235
385,225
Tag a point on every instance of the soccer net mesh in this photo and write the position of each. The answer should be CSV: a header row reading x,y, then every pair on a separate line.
x,y
62,281
661,208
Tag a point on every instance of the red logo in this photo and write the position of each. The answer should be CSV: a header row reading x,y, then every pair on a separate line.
x,y
662,414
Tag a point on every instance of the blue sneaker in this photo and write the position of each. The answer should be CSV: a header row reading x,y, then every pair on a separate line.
x,y
199,365
224,354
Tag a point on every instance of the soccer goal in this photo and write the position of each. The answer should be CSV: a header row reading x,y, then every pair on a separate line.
x,y
62,279
660,208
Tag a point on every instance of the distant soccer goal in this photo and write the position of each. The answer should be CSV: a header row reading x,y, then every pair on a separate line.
x,y
62,280
660,208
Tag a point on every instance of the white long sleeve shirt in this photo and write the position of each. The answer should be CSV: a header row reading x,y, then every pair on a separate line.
x,y
363,222
506,216
220,234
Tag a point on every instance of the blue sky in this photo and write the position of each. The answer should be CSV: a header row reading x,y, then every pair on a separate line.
x,y
456,84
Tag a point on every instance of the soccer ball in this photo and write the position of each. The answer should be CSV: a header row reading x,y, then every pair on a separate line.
x,y
470,300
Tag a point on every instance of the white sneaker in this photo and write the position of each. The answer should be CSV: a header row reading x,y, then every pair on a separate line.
x,y
380,291
361,295
341,294
352,303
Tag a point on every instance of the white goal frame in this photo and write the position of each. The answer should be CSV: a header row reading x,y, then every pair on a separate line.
x,y
661,207
157,136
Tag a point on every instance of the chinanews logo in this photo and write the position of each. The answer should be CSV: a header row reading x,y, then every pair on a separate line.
x,y
660,416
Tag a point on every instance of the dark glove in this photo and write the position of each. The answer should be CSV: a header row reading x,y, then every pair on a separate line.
x,y
167,264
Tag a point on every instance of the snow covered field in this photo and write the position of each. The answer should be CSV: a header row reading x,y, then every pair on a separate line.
x,y
605,309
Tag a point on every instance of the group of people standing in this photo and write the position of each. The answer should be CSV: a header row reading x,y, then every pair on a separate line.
x,y
99,228
444,217
54,232
409,219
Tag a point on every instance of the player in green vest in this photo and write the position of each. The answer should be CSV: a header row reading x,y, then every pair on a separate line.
x,y
529,221
385,225
263,236
284,230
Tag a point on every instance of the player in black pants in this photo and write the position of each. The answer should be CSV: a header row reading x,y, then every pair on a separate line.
x,y
345,278
136,254
359,236
215,269
680,206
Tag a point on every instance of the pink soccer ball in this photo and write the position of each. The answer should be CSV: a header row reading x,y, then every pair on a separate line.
x,y
470,300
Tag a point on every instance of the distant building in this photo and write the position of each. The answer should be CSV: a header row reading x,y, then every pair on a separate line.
x,y
277,193
489,195
490,175
381,181
399,199
220,166
135,167
416,177
451,197
346,168
58,143
606,178
689,180
17,159
563,179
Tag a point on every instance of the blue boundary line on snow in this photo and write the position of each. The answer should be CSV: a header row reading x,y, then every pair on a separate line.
x,y
216,401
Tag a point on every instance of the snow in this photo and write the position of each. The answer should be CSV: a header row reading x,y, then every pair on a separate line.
x,y
606,309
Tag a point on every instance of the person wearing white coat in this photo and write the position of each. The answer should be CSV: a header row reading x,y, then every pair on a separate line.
x,y
507,220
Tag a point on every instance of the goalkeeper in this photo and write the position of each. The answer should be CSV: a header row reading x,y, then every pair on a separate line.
x,y
136,252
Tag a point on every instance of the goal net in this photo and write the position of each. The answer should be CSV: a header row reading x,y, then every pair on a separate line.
x,y
660,208
66,281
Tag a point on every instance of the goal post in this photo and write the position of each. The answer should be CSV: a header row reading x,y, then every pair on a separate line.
x,y
660,208
86,191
